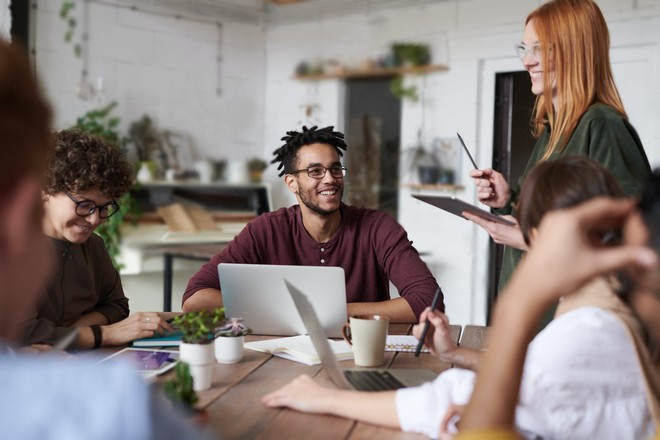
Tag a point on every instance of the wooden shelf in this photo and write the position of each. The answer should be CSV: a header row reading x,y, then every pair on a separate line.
x,y
373,73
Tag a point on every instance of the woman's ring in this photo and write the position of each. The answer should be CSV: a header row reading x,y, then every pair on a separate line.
x,y
148,319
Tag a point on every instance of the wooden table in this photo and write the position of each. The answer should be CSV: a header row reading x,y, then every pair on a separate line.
x,y
236,412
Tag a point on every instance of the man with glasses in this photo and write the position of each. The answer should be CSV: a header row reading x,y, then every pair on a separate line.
x,y
371,247
85,177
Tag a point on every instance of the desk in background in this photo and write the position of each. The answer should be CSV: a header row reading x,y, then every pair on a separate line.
x,y
199,252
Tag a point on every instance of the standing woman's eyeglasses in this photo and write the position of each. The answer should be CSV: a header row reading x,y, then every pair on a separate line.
x,y
87,207
523,50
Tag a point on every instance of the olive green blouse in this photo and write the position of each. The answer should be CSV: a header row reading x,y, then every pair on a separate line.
x,y
604,136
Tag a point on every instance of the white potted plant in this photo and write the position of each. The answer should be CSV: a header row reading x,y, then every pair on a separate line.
x,y
196,347
229,340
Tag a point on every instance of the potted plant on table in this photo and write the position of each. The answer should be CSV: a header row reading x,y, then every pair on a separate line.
x,y
179,390
196,347
229,340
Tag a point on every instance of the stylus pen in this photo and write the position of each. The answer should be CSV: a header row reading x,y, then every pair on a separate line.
x,y
67,340
434,304
467,151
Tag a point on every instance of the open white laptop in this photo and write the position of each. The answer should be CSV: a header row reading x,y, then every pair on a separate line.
x,y
257,293
362,379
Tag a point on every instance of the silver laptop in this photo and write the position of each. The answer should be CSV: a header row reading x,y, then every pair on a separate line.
x,y
257,293
362,379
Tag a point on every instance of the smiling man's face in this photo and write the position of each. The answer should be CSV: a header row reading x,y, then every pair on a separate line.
x,y
320,196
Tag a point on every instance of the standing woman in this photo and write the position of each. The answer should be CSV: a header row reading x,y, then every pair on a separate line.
x,y
565,49
84,178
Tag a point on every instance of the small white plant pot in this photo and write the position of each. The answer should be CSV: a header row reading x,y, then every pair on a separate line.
x,y
201,360
229,350
202,376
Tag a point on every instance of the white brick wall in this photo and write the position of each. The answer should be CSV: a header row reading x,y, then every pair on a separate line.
x,y
163,67
166,68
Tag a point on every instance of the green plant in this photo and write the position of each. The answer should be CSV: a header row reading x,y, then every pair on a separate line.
x,y
144,135
100,123
199,327
66,14
416,54
256,164
179,389
402,92
233,328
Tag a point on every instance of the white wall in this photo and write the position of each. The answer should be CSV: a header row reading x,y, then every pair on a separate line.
x,y
474,38
166,68
162,67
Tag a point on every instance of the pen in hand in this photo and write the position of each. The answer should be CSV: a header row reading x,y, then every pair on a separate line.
x,y
425,330
474,164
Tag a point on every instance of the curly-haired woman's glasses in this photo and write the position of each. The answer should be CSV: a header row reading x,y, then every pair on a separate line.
x,y
87,207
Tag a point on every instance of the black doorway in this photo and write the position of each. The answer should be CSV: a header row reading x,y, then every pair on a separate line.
x,y
512,145
373,131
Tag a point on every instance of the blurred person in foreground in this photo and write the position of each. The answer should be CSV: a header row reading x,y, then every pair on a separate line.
x,y
557,399
85,177
564,245
47,397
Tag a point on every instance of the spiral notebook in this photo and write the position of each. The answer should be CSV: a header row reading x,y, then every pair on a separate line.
x,y
402,343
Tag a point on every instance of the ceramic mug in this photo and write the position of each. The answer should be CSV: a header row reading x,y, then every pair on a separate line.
x,y
367,335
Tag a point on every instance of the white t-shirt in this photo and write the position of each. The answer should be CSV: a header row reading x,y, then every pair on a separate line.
x,y
581,380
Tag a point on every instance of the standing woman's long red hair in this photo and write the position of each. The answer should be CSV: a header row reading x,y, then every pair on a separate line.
x,y
576,44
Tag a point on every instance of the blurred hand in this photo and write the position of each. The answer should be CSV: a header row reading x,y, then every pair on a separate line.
x,y
138,325
450,420
438,337
500,233
492,189
566,253
301,394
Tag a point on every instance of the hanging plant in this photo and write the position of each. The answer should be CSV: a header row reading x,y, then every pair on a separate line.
x,y
402,92
71,24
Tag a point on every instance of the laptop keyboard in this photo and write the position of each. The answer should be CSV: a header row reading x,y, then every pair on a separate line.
x,y
370,380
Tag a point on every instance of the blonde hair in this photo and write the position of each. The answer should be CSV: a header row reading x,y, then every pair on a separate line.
x,y
575,39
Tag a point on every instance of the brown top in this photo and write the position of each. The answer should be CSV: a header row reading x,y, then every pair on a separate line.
x,y
83,281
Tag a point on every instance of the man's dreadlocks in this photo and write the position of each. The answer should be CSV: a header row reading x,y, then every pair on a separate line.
x,y
294,140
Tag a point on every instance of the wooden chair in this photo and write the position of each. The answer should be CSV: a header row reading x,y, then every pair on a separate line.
x,y
455,332
474,336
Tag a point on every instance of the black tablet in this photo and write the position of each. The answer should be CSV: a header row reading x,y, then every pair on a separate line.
x,y
458,206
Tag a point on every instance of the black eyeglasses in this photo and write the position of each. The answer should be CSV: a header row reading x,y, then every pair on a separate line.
x,y
87,207
318,171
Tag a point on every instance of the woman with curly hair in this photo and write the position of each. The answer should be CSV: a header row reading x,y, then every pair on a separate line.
x,y
84,179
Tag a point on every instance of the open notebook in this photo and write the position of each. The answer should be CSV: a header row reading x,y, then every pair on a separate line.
x,y
300,349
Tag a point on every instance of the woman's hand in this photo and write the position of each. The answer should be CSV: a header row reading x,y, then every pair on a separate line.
x,y
301,394
438,338
500,233
492,188
138,325
450,420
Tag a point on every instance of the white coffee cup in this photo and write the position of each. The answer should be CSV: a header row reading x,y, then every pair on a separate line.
x,y
367,335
